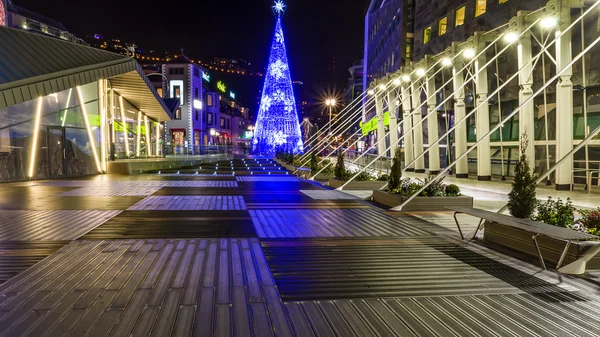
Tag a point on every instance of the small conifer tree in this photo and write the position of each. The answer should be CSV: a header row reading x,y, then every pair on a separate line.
x,y
340,167
396,172
314,163
522,198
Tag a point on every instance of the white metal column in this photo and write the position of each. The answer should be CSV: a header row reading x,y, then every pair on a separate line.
x,y
407,125
460,133
380,126
564,102
526,114
482,118
393,108
432,127
418,126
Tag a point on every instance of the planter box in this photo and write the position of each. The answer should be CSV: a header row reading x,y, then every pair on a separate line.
x,y
420,204
324,176
358,185
519,240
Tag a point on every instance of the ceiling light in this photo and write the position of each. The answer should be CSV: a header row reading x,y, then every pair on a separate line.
x,y
469,53
549,22
511,37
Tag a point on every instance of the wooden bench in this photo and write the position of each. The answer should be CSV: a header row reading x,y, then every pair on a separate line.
x,y
537,229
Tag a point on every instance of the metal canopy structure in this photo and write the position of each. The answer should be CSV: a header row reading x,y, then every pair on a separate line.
x,y
543,63
32,66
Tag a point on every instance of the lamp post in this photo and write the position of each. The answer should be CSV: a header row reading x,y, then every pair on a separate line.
x,y
330,103
166,79
251,128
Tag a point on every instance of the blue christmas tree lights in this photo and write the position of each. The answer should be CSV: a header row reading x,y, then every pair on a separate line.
x,y
277,125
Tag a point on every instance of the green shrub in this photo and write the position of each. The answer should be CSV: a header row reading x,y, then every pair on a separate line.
x,y
522,198
452,191
314,163
556,212
362,176
340,167
383,177
407,187
590,220
435,188
328,168
396,172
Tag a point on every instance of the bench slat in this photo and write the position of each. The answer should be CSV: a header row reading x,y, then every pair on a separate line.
x,y
527,225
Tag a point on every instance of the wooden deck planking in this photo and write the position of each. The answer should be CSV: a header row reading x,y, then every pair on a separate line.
x,y
190,203
307,223
131,288
50,225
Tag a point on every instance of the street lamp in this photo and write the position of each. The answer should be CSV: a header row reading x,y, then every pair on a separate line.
x,y
330,103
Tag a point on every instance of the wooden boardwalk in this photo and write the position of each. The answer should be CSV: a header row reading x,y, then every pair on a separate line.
x,y
146,287
190,203
200,255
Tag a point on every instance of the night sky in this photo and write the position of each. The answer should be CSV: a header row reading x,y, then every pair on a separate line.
x,y
316,30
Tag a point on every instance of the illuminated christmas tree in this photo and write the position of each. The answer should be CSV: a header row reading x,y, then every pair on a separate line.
x,y
277,125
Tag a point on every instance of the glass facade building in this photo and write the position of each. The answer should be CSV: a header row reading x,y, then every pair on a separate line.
x,y
67,110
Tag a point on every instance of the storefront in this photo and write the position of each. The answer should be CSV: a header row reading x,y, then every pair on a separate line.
x,y
73,116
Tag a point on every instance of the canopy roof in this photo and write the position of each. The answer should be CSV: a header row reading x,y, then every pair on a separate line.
x,y
32,65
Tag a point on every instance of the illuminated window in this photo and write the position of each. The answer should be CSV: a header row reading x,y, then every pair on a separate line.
x,y
502,1
209,100
178,113
442,26
159,91
210,119
460,16
427,35
480,6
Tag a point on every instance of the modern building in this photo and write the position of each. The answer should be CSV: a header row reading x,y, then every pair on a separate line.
x,y
14,16
183,81
388,37
439,23
68,109
487,75
354,88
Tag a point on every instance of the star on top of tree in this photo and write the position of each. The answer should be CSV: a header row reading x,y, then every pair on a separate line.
x,y
279,7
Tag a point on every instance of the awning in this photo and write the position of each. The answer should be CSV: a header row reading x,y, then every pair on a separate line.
x,y
33,65
225,134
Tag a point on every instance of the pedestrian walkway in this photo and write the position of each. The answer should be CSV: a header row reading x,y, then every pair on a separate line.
x,y
258,255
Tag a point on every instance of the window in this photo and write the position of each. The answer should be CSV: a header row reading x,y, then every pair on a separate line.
x,y
460,16
175,71
442,26
222,123
197,72
196,114
210,118
159,91
209,100
177,90
480,7
178,113
196,93
427,35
